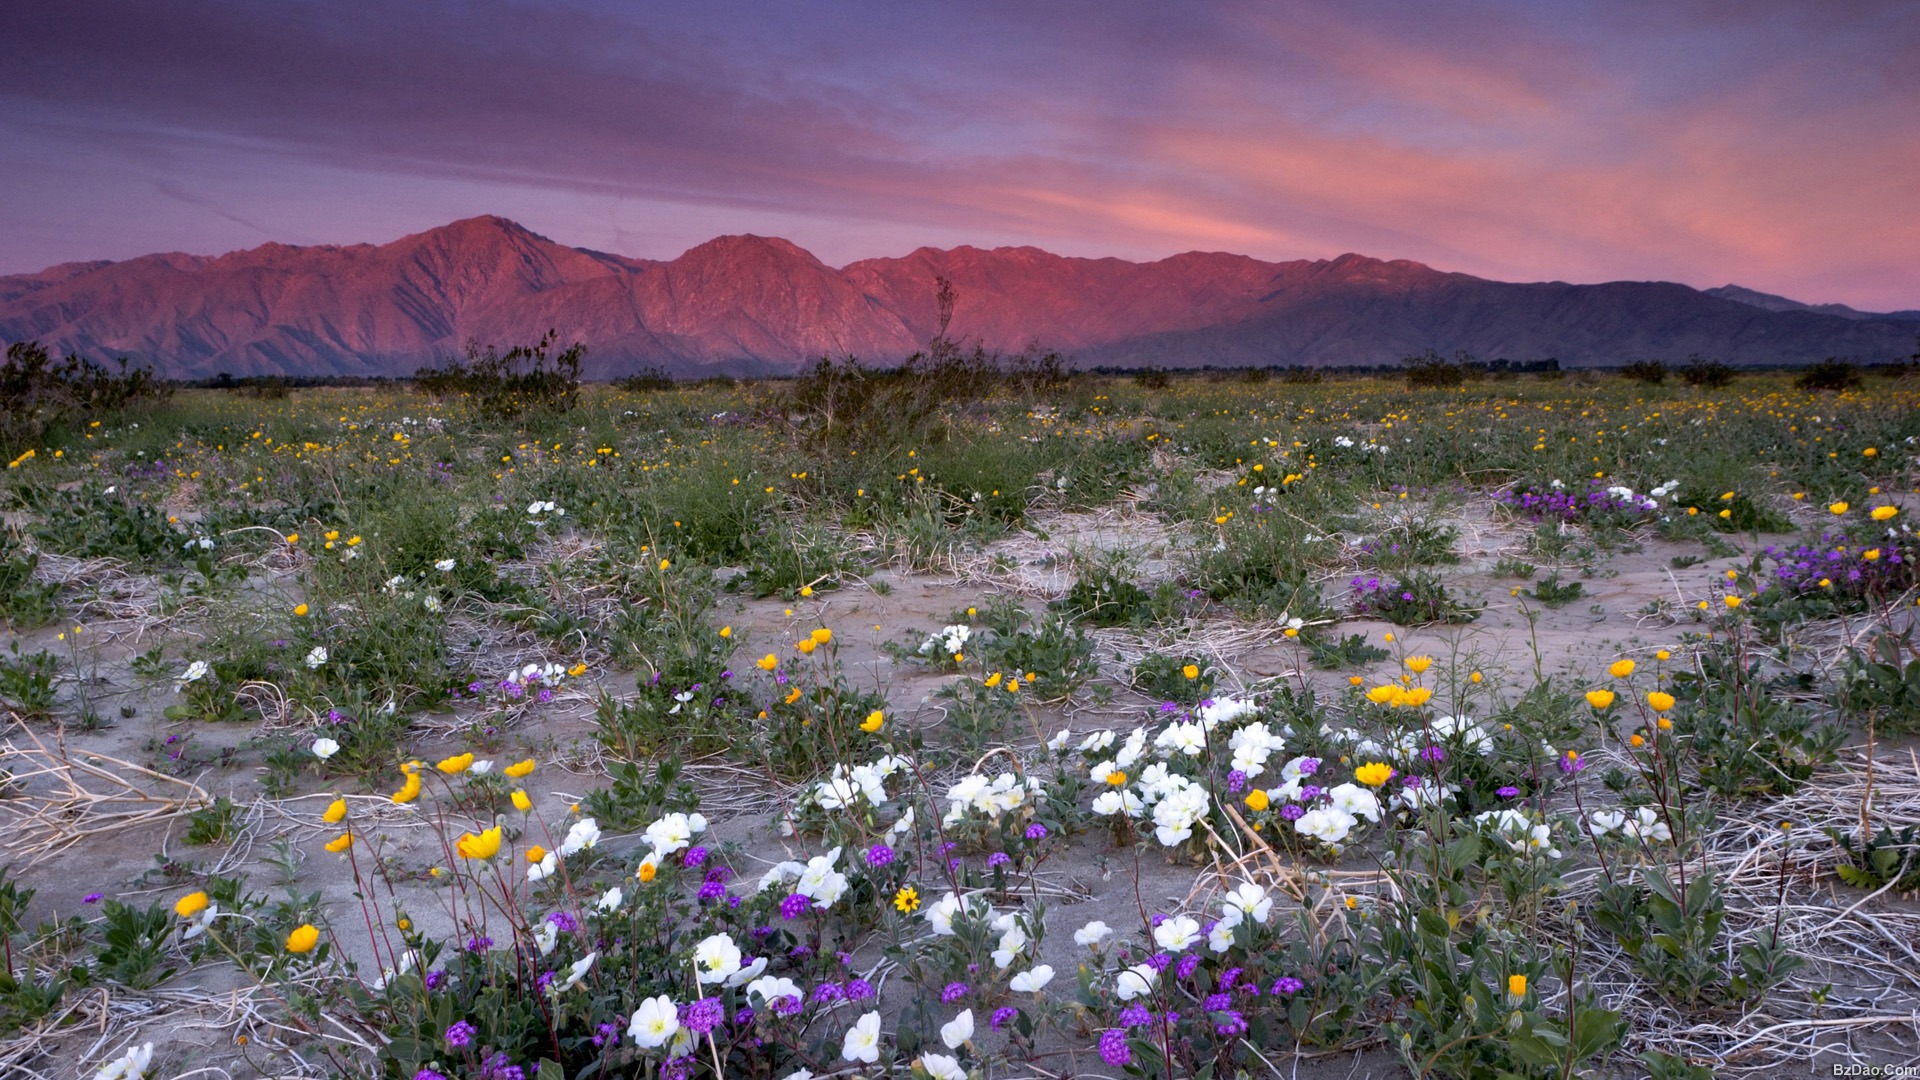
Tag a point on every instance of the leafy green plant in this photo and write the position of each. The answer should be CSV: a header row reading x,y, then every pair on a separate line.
x,y
1551,592
24,602
638,793
213,823
1351,651
132,947
1414,600
26,681
1885,859
1188,680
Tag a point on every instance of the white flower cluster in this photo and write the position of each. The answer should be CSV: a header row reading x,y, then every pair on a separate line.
x,y
950,641
993,798
1519,831
198,543
1346,443
846,787
537,508
818,879
1641,824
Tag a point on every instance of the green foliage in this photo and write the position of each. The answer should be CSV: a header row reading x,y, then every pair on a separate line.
x,y
636,795
24,602
1351,651
1163,676
132,949
1057,654
1831,374
1417,599
1552,593
213,823
1651,372
1747,737
1707,374
1885,859
26,681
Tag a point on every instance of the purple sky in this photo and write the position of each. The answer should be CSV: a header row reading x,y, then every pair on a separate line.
x,y
1776,145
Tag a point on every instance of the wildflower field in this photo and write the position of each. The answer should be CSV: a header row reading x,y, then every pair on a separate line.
x,y
1053,726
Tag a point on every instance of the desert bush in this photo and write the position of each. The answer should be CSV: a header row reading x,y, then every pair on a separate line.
x,y
1651,372
1707,374
1828,374
502,386
38,393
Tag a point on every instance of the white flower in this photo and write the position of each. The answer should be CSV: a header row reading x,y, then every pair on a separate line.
x,y
1136,981
1328,824
545,867
1188,739
940,913
779,875
194,673
131,1065
1031,981
958,1030
200,922
1011,942
863,1040
799,1074
942,1067
443,565
771,988
749,973
671,833
1059,741
584,834
431,603
1220,934
325,748
1096,742
546,937
1249,900
1356,801
1227,709
1131,749
1118,802
821,882
316,657
610,900
1092,934
481,768
716,958
654,1022
574,974
1177,934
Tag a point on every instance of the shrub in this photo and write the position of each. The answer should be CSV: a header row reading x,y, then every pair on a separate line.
x,y
1706,374
1432,369
644,380
38,392
1651,372
1828,374
1152,378
504,385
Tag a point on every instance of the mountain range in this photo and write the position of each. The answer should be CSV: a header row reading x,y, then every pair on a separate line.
x,y
760,305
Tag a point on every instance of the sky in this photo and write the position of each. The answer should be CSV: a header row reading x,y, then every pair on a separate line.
x,y
1771,144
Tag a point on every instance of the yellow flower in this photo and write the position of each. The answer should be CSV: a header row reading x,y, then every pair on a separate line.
x,y
190,905
1870,451
1728,497
340,843
1388,637
1731,601
336,811
303,938
1726,514
1474,678
536,853
1354,680
806,590
1621,669
1600,699
577,670
664,564
1636,741
521,802
1352,903
1257,800
1419,664
1871,554
768,662
821,636
1191,671
300,610
726,631
907,900
993,680
1373,773
1415,697
484,846
872,722
456,764
293,538
409,791
1665,724
1517,985
1663,655
793,695
1013,685
1291,631
1116,778
519,768
1660,701
1384,694
1838,508
649,869
1882,513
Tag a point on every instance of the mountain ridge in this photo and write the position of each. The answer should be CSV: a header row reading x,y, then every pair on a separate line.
x,y
748,304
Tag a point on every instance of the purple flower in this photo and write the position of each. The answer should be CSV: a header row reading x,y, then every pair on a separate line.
x,y
794,906
827,993
545,980
721,874
1309,766
428,1074
1572,763
703,1016
1135,1015
1036,831
436,979
461,1033
1287,984
1291,812
91,898
563,922
605,1035
1188,965
1229,977
1114,1049
1434,753
954,992
859,990
479,943
1231,1025
1507,792
879,855
1002,1015
1236,782
999,858
1309,793
694,856
785,1005
1218,1002
743,1018
711,891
